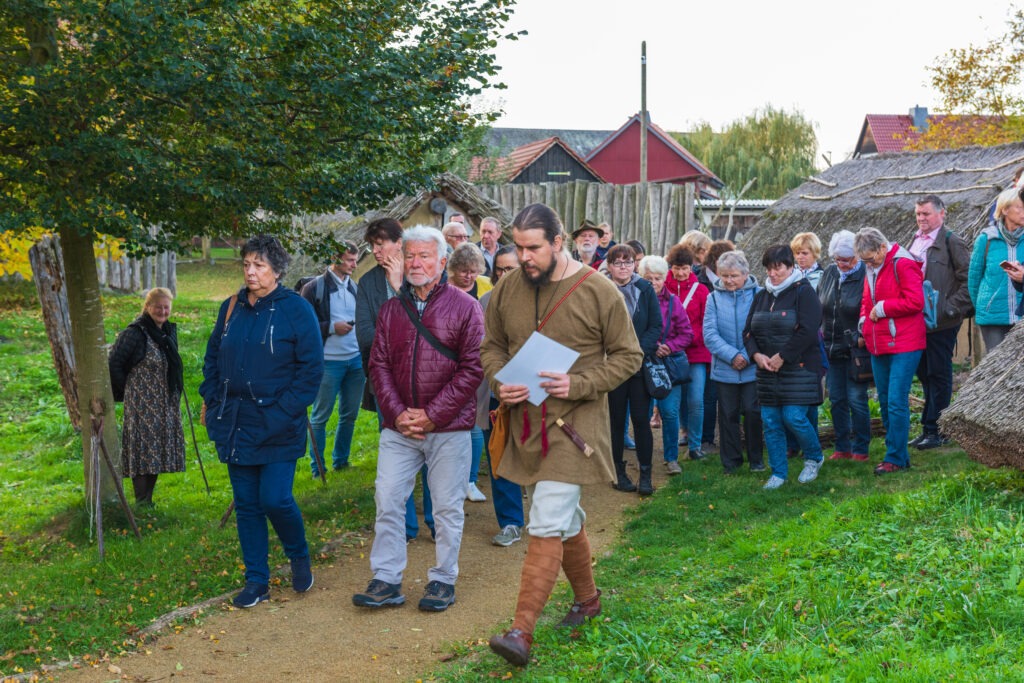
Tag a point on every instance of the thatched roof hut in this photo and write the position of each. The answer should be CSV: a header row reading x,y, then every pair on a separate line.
x,y
421,208
880,192
985,416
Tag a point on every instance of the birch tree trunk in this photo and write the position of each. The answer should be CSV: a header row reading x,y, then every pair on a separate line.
x,y
48,275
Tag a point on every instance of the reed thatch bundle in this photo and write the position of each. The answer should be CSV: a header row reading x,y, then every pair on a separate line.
x,y
879,191
985,418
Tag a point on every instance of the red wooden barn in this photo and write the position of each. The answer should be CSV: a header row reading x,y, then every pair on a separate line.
x,y
617,159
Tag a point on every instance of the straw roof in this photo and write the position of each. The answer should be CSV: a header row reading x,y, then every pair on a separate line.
x,y
880,191
985,417
453,189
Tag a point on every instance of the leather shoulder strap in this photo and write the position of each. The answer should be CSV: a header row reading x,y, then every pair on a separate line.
x,y
590,271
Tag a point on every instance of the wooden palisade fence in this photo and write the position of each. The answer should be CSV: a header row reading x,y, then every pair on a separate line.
x,y
657,214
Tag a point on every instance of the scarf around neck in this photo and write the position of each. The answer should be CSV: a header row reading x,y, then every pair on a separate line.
x,y
775,290
630,292
167,346
1011,236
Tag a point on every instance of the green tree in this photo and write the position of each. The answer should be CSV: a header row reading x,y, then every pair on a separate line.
x,y
221,116
981,92
774,146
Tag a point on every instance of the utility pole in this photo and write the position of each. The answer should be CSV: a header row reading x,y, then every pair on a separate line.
x,y
643,112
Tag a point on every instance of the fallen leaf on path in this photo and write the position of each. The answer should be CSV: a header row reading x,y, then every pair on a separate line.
x,y
114,669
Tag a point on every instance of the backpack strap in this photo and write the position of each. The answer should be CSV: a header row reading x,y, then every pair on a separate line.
x,y
689,296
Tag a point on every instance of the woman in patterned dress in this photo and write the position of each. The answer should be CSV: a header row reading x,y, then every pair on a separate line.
x,y
146,373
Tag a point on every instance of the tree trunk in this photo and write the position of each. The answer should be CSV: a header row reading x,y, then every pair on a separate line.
x,y
48,274
207,253
89,339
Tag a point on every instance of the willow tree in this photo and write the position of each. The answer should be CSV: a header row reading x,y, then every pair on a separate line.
x,y
981,91
220,116
773,146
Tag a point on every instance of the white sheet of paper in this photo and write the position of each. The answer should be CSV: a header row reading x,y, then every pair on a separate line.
x,y
538,354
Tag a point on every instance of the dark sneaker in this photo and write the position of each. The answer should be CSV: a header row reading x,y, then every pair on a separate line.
x,y
378,594
514,646
697,455
252,595
931,441
437,597
302,575
758,467
920,437
889,468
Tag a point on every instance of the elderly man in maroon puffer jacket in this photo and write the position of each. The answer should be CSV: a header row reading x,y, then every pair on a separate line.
x,y
425,368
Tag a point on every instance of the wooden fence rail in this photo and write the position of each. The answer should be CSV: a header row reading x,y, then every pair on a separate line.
x,y
657,214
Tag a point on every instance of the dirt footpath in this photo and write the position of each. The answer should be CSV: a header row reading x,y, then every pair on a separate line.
x,y
321,636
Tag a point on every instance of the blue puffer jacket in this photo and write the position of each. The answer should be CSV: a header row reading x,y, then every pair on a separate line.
x,y
992,292
724,318
261,373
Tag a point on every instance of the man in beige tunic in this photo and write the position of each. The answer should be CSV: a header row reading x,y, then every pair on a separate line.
x,y
539,454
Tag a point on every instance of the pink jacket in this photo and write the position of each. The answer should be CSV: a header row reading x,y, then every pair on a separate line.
x,y
407,372
902,329
696,352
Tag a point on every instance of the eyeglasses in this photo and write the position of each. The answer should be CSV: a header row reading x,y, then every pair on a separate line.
x,y
621,264
845,260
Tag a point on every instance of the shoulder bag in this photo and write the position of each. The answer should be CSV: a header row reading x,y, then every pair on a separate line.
x,y
677,364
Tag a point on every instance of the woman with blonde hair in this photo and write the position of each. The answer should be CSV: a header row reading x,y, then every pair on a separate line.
x,y
998,251
147,374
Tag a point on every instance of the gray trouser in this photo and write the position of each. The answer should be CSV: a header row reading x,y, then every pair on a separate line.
x,y
399,459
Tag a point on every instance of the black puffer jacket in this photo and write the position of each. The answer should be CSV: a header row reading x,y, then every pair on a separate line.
x,y
787,325
840,310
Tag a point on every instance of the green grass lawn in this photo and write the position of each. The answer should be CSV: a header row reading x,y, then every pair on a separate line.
x,y
56,599
911,577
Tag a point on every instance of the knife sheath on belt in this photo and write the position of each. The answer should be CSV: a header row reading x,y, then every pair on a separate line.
x,y
575,437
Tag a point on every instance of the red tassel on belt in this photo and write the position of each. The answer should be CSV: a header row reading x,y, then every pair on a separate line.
x,y
543,428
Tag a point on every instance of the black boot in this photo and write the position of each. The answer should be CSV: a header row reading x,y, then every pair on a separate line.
x,y
644,486
624,483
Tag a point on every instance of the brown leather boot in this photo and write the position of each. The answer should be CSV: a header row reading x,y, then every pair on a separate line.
x,y
576,563
514,646
581,612
540,571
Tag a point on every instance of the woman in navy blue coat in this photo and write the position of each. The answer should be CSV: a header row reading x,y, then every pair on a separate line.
x,y
262,371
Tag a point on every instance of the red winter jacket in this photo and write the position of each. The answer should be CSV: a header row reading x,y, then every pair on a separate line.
x,y
696,352
902,329
407,372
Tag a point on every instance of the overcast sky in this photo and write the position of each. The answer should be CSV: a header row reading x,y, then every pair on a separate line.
x,y
579,67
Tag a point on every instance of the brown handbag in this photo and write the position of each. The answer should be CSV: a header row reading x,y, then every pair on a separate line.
x,y
227,317
501,416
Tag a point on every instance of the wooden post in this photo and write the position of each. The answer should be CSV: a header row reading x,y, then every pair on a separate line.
x,y
688,218
48,275
643,112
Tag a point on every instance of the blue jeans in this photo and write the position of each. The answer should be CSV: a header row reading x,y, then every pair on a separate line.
x,y
264,492
850,415
792,444
507,495
695,405
894,374
476,436
669,409
344,380
776,420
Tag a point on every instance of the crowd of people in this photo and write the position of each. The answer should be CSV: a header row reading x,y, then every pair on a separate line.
x,y
687,344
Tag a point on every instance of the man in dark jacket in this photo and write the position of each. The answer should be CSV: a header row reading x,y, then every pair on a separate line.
x,y
425,366
945,261
333,297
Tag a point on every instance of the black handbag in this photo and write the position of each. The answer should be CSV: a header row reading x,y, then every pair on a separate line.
x,y
656,378
859,369
677,363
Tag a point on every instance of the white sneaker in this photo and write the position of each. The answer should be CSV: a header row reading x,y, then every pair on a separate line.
x,y
773,483
810,471
474,494
509,535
